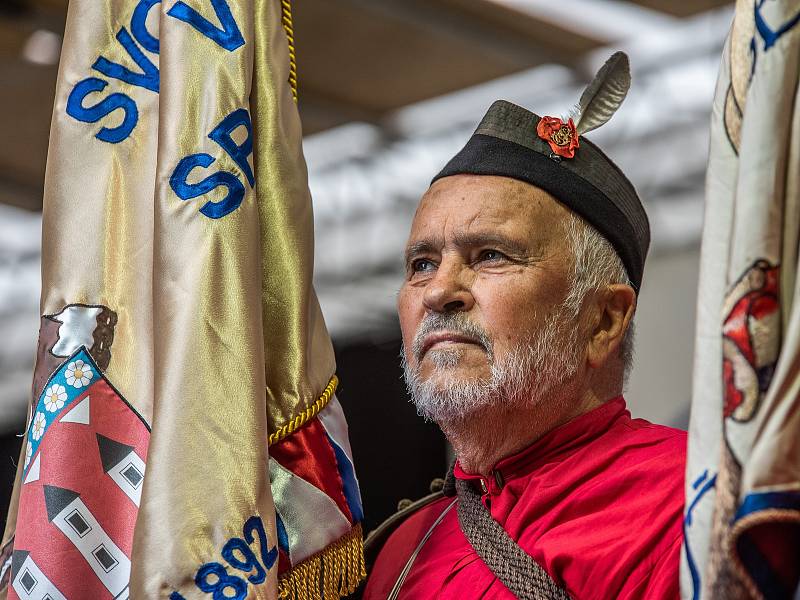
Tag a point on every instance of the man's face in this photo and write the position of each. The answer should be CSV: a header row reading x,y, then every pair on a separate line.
x,y
488,265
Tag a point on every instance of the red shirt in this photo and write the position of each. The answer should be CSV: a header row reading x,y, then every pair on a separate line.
x,y
597,502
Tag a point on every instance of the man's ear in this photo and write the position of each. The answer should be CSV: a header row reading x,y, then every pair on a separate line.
x,y
614,308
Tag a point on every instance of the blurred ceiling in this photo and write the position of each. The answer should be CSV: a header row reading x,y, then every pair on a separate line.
x,y
358,60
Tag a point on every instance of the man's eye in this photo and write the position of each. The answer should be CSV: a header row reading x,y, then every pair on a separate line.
x,y
492,255
421,265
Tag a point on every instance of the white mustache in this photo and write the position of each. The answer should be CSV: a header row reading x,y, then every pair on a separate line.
x,y
452,323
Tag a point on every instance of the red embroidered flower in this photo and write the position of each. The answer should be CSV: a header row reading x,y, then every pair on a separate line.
x,y
562,137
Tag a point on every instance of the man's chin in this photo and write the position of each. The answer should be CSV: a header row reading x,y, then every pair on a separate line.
x,y
434,409
453,368
440,381
447,397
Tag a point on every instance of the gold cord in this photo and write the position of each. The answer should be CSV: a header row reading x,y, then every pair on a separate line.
x,y
286,19
307,414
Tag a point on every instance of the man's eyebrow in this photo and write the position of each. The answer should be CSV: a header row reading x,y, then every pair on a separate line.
x,y
421,247
467,240
472,240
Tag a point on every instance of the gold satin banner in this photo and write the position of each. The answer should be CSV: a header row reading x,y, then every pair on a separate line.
x,y
184,438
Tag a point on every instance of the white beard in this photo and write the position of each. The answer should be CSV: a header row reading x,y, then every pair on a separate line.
x,y
532,372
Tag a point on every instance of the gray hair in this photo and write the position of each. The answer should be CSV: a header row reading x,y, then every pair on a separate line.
x,y
596,264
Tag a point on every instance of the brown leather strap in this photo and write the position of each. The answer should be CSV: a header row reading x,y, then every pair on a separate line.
x,y
522,575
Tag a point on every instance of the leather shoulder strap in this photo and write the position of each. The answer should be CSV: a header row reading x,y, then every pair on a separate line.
x,y
522,575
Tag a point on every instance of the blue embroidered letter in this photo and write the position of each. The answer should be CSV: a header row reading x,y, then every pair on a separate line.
x,y
250,562
222,135
268,557
187,191
94,113
139,28
229,37
148,78
222,582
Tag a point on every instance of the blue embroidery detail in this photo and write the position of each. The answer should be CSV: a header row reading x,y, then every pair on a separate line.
x,y
222,135
139,26
769,35
766,500
707,484
348,475
283,537
229,37
148,78
249,563
224,581
696,483
188,191
109,104
256,524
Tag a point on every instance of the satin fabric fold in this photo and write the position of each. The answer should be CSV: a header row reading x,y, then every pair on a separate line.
x,y
180,331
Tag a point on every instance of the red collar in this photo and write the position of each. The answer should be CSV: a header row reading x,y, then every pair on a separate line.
x,y
551,447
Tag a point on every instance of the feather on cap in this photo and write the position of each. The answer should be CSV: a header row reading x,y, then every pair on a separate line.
x,y
604,95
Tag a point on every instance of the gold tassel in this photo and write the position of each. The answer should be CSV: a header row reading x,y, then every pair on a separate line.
x,y
330,574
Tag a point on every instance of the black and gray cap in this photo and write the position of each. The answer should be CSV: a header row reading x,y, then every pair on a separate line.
x,y
554,156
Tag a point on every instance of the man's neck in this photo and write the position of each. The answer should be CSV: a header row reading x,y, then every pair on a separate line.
x,y
492,434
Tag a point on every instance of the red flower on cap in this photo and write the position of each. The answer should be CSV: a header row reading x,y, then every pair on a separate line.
x,y
562,137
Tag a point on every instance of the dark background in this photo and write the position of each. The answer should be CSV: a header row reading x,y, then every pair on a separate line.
x,y
396,453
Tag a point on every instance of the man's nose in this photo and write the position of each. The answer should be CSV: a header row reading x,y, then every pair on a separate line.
x,y
450,289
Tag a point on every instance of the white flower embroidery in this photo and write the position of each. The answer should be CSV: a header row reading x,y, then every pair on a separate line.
x,y
38,425
54,397
28,450
78,374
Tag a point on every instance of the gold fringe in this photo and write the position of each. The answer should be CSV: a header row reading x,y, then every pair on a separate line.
x,y
307,414
288,26
331,574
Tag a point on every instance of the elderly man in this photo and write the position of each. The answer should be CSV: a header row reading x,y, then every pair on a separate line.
x,y
523,266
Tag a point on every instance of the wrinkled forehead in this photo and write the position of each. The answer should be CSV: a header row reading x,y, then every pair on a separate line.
x,y
464,204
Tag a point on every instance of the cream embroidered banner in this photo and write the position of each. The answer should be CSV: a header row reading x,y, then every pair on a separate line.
x,y
742,517
184,439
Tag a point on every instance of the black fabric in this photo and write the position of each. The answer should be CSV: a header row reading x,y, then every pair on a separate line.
x,y
489,155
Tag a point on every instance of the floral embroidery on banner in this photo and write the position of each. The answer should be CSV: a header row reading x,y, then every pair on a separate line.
x,y
39,423
78,374
54,397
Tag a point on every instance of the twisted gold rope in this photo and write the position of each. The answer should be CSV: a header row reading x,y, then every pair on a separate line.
x,y
307,414
286,19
